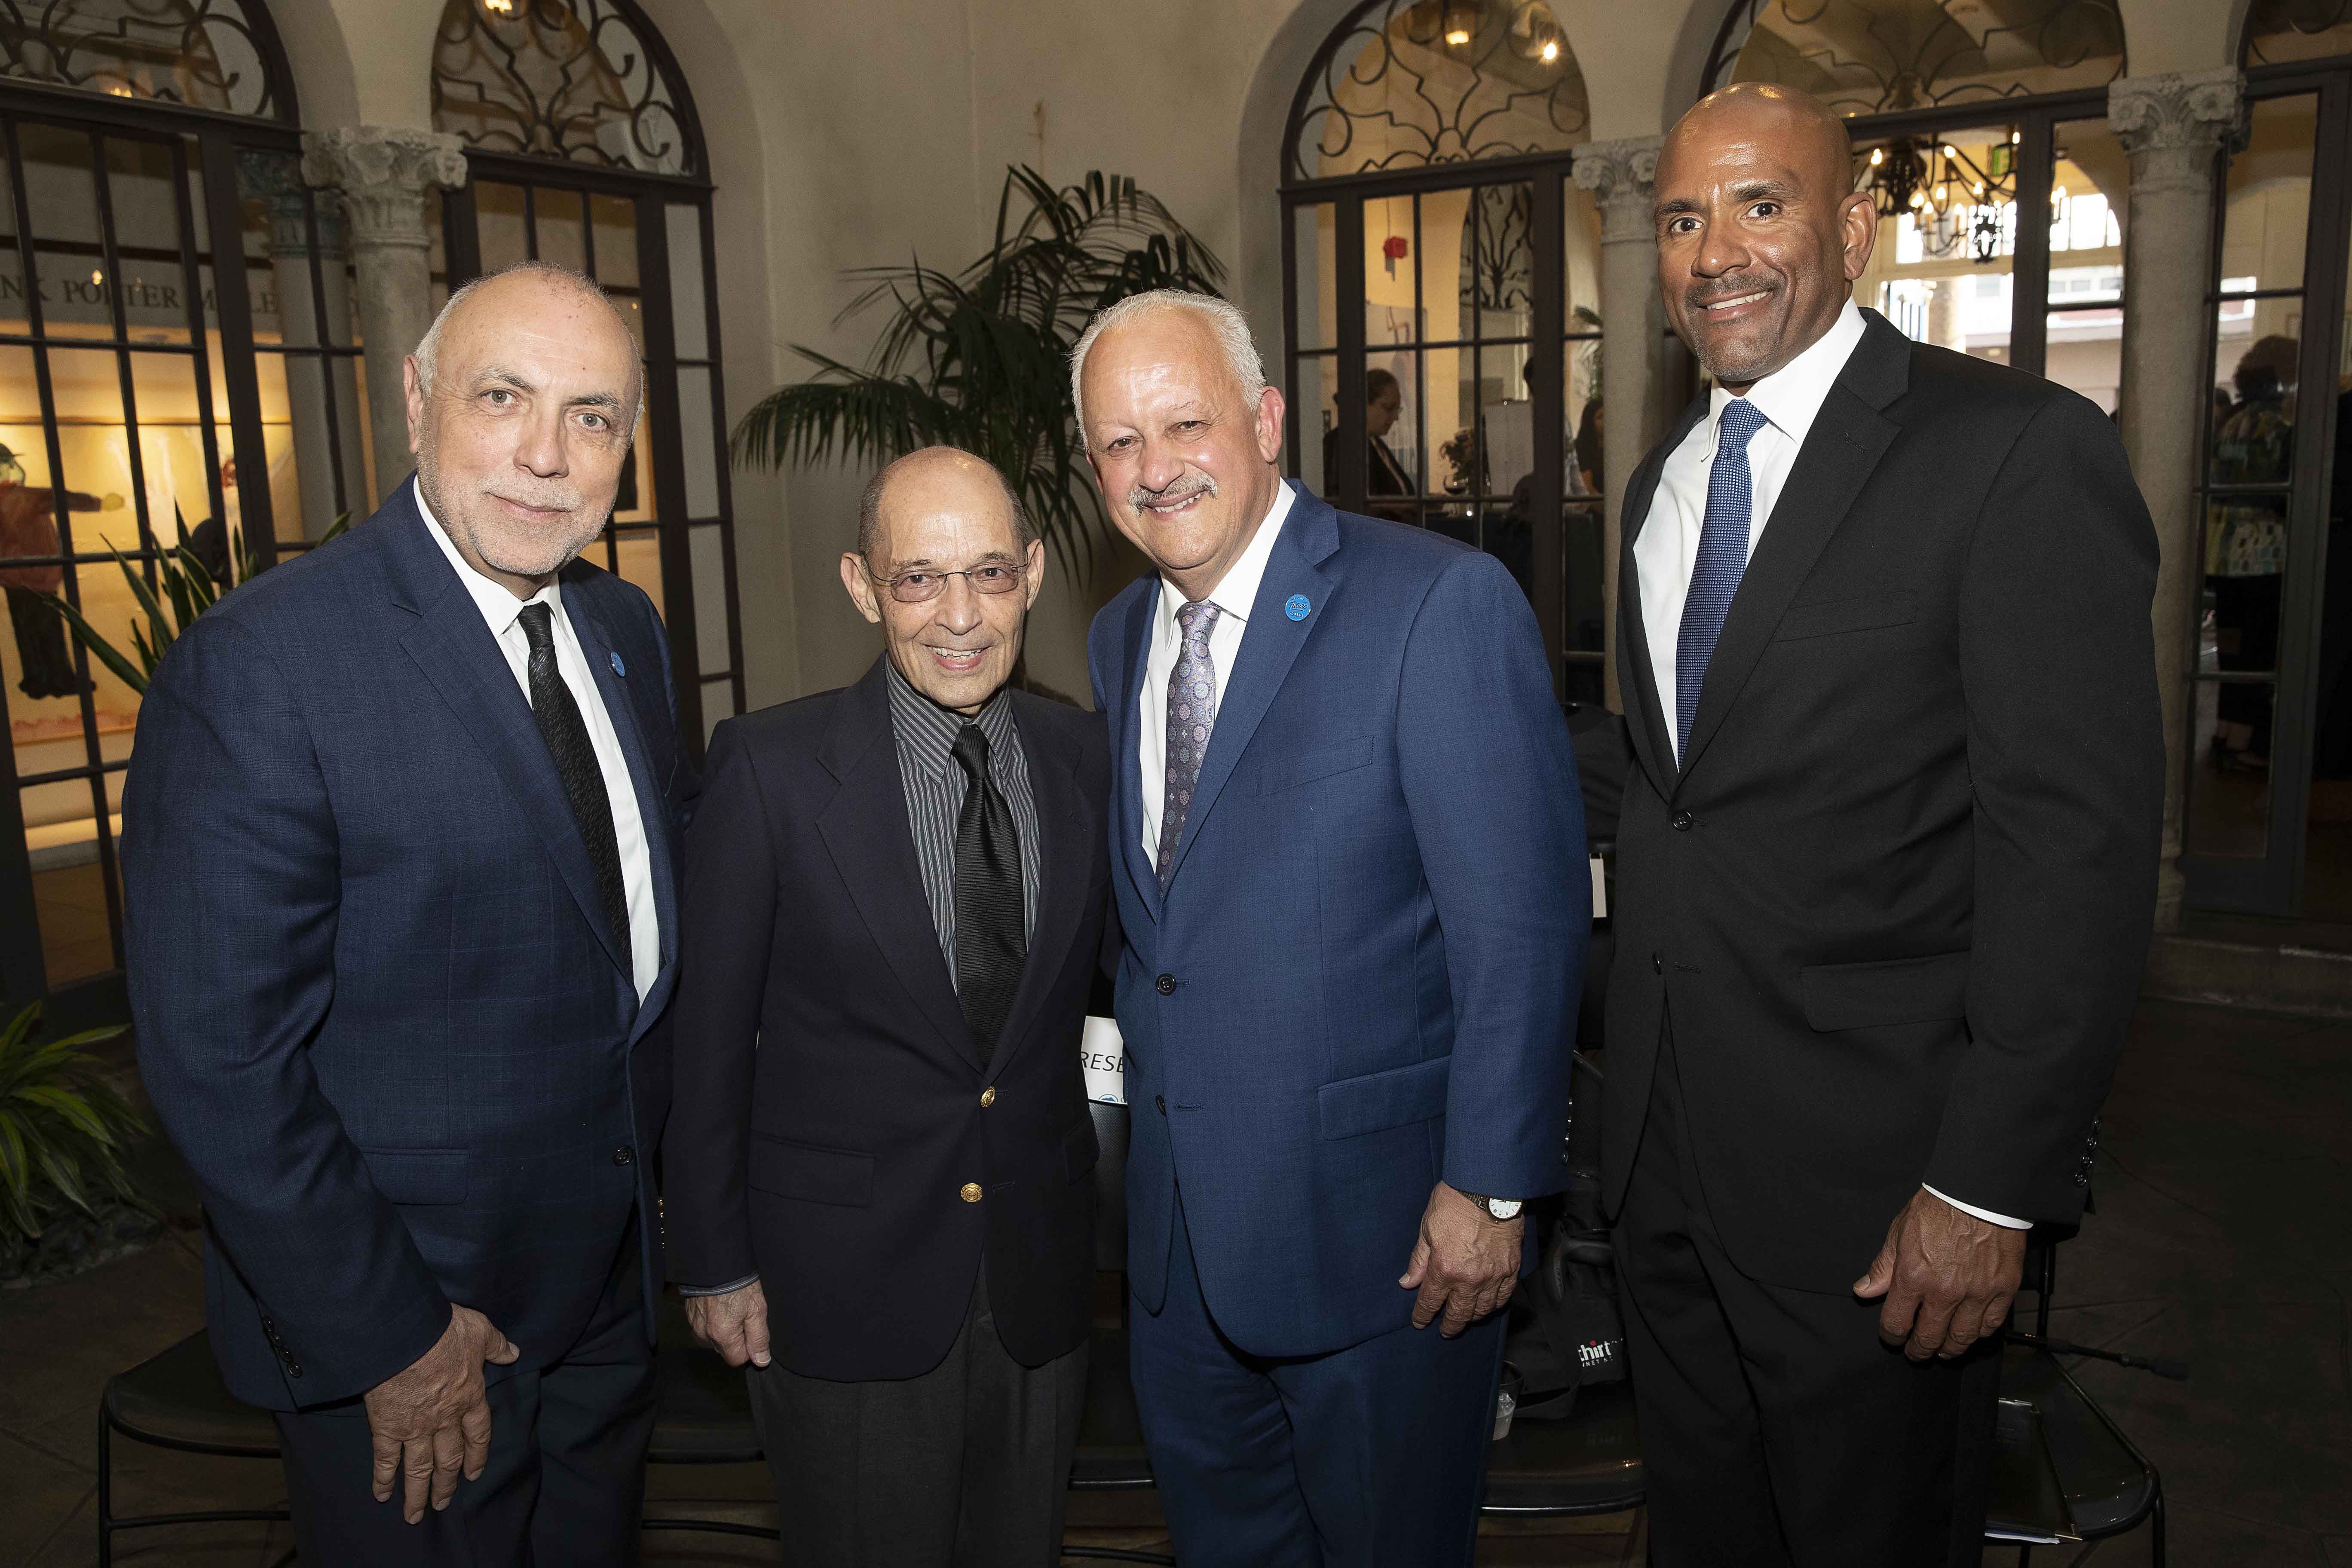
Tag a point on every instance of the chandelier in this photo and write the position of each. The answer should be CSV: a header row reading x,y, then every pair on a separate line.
x,y
1956,203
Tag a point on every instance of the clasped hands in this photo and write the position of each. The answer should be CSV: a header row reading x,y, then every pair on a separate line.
x,y
1465,1263
1945,1278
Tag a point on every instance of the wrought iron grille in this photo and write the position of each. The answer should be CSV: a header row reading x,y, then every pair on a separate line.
x,y
1879,56
2282,31
205,54
1400,86
587,81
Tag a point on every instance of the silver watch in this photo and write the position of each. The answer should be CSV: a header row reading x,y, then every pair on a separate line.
x,y
1501,1209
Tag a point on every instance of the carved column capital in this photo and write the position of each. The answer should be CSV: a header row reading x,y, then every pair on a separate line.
x,y
1622,176
2172,125
384,173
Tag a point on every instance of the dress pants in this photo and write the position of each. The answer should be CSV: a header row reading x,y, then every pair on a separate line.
x,y
1364,1458
1776,1429
565,1482
967,1465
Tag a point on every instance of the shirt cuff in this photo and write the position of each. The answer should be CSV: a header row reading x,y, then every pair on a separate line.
x,y
1987,1216
747,1279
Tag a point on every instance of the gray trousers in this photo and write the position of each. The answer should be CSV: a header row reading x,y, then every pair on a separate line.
x,y
964,1466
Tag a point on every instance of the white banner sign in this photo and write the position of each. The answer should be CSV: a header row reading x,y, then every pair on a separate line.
x,y
1103,1054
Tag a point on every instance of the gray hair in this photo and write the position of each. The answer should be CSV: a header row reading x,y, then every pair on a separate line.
x,y
1225,321
869,504
428,347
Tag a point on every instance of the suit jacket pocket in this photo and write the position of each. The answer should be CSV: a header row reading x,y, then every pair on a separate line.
x,y
1288,772
1079,1149
418,1176
815,1175
1833,616
1892,991
1377,1100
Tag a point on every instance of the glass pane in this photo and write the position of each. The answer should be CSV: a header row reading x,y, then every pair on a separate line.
x,y
2229,810
172,454
1499,262
639,552
68,890
2269,196
1450,435
1314,397
634,502
1580,374
699,430
1391,272
63,204
1941,271
706,552
2255,374
498,223
686,290
303,463
556,219
1315,235
616,221
146,218
1392,453
2089,198
1581,219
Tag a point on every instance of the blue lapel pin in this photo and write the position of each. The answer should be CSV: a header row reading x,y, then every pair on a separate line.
x,y
619,669
1297,608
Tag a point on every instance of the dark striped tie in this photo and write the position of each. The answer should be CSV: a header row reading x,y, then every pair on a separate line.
x,y
990,943
1722,560
566,734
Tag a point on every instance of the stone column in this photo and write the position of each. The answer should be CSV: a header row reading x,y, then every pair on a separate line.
x,y
2172,125
1622,177
386,173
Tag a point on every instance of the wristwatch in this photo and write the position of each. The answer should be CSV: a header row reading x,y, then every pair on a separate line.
x,y
1501,1209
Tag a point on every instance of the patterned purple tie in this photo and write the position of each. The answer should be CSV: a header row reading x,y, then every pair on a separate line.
x,y
1192,714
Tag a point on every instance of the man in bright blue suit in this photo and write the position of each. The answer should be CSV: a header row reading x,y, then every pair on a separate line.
x,y
402,925
1349,862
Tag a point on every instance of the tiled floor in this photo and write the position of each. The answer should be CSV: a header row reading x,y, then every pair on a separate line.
x,y
2223,1236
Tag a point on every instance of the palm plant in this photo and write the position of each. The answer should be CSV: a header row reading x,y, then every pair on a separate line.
x,y
186,582
63,1128
980,359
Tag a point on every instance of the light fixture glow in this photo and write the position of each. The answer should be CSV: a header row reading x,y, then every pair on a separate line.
x,y
97,279
2015,137
1980,187
1877,156
1951,151
1917,199
2057,194
498,7
1550,49
1457,36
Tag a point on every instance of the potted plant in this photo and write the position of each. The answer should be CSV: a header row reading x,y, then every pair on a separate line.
x,y
67,1200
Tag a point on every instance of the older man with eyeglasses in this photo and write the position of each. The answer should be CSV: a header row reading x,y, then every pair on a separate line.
x,y
878,1194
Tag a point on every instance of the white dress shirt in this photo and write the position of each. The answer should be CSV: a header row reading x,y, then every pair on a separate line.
x,y
503,611
1668,548
1234,595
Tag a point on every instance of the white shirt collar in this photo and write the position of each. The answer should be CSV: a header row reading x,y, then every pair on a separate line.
x,y
1790,398
1236,592
498,603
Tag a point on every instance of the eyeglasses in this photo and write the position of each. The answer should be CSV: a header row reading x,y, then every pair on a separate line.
x,y
922,585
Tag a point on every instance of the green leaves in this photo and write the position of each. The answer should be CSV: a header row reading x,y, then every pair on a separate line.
x,y
63,1128
981,359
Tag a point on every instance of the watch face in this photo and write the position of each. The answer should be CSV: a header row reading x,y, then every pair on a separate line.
x,y
1502,1208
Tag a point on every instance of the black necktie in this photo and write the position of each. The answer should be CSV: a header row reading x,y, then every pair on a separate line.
x,y
566,734
989,940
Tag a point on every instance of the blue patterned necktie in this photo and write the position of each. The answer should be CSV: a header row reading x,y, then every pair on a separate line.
x,y
1722,560
1192,714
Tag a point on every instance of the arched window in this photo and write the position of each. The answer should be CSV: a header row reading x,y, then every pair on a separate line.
x,y
176,352
1441,318
584,150
1887,57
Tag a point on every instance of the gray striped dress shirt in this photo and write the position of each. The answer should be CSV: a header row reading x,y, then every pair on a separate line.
x,y
934,780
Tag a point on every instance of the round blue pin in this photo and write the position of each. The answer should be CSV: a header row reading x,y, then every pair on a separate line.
x,y
619,669
1297,608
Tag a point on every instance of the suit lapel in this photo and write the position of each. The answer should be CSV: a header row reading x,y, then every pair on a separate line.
x,y
865,830
1136,639
452,645
619,693
1066,828
1635,674
1269,646
1848,436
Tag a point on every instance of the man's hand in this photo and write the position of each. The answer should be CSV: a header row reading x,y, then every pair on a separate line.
x,y
1947,1277
1465,1265
433,1419
734,1324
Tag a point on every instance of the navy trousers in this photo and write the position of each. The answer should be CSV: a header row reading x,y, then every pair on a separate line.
x,y
1367,1456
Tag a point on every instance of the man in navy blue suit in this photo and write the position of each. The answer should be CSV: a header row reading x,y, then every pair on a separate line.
x,y
1348,856
402,926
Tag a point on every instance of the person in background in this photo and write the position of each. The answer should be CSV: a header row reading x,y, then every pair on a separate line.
x,y
28,527
1885,870
1588,448
401,928
1350,863
879,1189
2246,549
1384,475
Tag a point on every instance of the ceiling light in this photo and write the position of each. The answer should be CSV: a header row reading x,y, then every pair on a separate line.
x,y
1951,151
1917,199
1877,156
498,7
1457,36
2057,192
1980,187
1550,49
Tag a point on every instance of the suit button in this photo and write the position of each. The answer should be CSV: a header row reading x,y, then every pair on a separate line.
x,y
623,1154
1165,984
1160,1104
293,1369
2081,1180
1683,821
1657,965
971,1192
988,1097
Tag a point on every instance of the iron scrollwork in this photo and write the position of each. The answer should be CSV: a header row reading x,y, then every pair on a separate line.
x,y
1408,84
1880,57
581,80
2281,30
200,53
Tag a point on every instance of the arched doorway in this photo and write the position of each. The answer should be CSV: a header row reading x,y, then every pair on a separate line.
x,y
176,351
583,149
1441,299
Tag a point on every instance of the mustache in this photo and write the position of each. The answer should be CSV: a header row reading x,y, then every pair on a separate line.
x,y
1700,299
547,498
1180,489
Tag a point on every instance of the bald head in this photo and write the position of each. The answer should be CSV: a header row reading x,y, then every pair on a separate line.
x,y
1760,232
925,472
